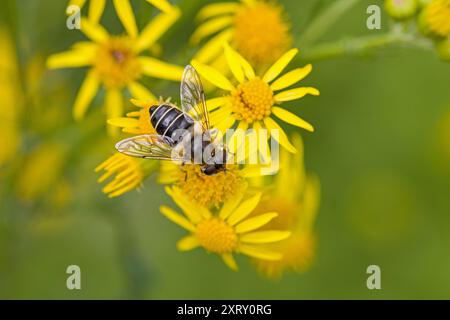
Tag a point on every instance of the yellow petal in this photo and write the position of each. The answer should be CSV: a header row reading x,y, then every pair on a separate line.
x,y
96,8
210,27
139,103
244,209
69,59
126,16
248,69
221,114
217,9
87,92
259,253
230,205
94,31
177,218
121,191
156,28
255,223
291,118
282,138
188,243
295,94
236,141
226,124
158,69
140,92
193,211
291,78
263,147
278,67
131,181
213,47
265,236
213,75
162,5
114,107
123,122
234,62
229,261
215,103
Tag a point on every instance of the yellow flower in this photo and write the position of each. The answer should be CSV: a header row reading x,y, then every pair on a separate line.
x,y
255,99
435,18
255,28
228,232
116,63
123,10
11,97
128,172
295,196
209,191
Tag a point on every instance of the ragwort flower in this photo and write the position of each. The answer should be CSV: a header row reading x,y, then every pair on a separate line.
x,y
256,29
295,197
117,63
435,18
255,99
123,9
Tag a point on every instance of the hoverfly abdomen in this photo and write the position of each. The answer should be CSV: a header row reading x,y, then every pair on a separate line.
x,y
166,119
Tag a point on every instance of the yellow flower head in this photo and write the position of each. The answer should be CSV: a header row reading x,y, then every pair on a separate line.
x,y
295,196
255,99
128,173
136,122
209,191
257,29
116,62
435,18
228,232
123,10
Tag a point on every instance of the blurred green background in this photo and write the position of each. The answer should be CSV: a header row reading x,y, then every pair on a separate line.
x,y
381,149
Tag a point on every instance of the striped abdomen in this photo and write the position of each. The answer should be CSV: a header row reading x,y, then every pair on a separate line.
x,y
166,118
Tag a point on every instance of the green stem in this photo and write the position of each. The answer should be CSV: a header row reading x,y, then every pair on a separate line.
x,y
324,21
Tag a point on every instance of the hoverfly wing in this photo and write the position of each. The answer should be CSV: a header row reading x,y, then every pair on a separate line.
x,y
150,146
193,97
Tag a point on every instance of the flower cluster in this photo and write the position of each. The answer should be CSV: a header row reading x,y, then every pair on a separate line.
x,y
238,210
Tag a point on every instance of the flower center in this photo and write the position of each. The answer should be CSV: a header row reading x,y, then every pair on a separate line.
x,y
261,34
252,100
438,17
216,236
209,191
116,63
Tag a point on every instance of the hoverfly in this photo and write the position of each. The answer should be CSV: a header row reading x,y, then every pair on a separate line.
x,y
182,135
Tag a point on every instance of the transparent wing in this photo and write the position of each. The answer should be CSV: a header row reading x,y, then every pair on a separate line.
x,y
193,97
150,147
